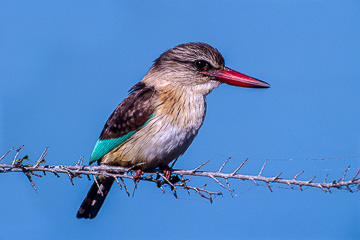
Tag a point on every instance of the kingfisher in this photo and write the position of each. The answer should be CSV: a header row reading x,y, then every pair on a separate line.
x,y
161,116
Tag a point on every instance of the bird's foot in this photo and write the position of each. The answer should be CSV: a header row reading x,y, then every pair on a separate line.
x,y
137,176
167,172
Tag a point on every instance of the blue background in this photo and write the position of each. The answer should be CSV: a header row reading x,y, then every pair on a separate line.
x,y
66,65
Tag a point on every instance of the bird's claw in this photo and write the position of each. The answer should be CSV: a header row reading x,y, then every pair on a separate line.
x,y
137,176
167,172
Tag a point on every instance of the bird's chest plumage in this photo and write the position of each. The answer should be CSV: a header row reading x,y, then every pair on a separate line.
x,y
171,130
176,124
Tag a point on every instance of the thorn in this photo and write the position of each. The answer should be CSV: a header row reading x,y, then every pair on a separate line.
x,y
262,168
3,156
126,190
30,179
183,182
195,169
228,184
56,174
80,161
236,170
326,178
162,189
69,175
37,175
345,173
322,187
223,165
41,158
298,175
117,180
269,186
352,180
98,185
217,181
289,185
71,178
198,191
311,179
277,176
17,153
252,179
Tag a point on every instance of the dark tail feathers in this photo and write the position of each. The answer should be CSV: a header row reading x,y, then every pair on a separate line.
x,y
95,198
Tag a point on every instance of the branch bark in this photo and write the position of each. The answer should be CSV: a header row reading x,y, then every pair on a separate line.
x,y
177,179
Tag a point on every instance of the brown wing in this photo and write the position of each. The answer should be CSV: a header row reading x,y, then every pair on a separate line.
x,y
132,113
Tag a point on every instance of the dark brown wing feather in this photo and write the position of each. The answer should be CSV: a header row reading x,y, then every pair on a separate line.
x,y
132,113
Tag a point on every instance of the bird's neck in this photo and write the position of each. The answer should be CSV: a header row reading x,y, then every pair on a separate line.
x,y
184,106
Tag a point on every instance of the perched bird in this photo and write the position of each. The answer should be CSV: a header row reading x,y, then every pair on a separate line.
x,y
161,116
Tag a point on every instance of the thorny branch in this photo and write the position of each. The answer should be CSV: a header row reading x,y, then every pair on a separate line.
x,y
177,179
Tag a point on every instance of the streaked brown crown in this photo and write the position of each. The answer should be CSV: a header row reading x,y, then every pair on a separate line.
x,y
186,55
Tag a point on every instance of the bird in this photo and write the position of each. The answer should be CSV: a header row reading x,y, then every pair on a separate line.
x,y
160,117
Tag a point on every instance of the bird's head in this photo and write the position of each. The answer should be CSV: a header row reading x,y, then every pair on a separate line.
x,y
197,66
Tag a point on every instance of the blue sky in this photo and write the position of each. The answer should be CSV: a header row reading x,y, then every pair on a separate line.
x,y
65,66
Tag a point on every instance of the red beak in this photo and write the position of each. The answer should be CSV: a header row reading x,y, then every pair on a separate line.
x,y
235,78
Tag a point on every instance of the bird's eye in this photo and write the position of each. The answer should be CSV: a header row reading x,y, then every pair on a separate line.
x,y
201,65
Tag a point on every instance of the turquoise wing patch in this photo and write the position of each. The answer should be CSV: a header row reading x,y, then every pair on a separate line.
x,y
103,147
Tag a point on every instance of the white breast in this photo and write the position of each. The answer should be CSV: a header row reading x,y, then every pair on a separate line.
x,y
167,136
174,125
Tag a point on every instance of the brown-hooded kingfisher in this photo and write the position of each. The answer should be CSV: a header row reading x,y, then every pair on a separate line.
x,y
161,116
